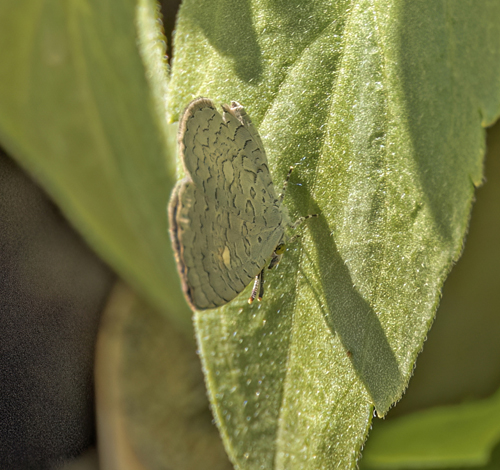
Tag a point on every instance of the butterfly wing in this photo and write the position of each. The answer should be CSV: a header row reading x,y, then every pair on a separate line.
x,y
225,218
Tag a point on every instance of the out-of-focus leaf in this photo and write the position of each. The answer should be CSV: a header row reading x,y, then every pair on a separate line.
x,y
152,410
381,107
78,111
442,437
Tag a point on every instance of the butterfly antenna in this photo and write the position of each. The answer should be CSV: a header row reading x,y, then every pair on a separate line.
x,y
285,184
297,223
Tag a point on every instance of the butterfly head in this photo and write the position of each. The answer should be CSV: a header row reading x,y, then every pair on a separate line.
x,y
276,256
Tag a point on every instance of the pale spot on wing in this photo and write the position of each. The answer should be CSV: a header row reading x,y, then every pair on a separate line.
x,y
226,257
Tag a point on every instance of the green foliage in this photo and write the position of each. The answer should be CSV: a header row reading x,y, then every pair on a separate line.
x,y
444,437
78,113
380,106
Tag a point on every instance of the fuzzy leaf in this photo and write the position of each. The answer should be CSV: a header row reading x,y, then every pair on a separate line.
x,y
381,106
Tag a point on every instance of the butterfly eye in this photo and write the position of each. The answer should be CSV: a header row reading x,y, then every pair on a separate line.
x,y
280,249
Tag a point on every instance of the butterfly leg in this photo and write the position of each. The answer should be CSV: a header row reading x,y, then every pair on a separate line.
x,y
297,223
261,289
285,184
258,287
302,219
292,239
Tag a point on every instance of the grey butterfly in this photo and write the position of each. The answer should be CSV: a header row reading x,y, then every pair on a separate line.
x,y
226,222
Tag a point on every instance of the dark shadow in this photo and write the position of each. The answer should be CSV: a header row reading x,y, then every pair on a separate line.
x,y
169,10
229,28
52,291
350,317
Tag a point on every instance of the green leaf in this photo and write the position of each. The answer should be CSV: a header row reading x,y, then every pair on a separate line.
x,y
381,107
442,437
79,114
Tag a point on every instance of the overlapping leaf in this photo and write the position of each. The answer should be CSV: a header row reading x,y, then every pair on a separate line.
x,y
77,111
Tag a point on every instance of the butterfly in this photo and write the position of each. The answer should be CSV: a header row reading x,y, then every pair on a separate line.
x,y
227,225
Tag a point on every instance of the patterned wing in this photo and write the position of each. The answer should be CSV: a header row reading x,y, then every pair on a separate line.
x,y
225,218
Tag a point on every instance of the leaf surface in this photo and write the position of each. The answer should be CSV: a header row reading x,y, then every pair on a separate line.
x,y
381,108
